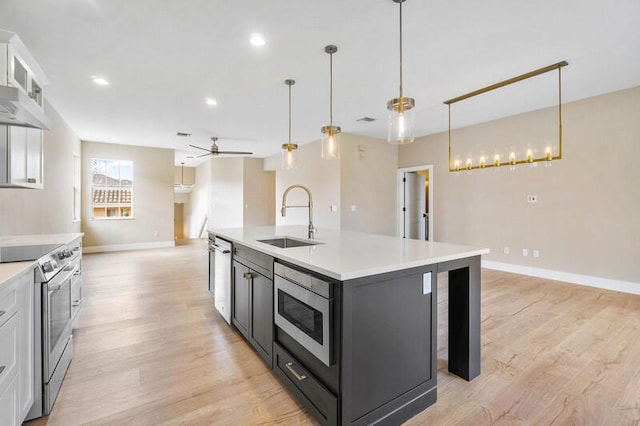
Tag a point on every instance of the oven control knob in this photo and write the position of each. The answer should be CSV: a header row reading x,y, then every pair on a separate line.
x,y
47,266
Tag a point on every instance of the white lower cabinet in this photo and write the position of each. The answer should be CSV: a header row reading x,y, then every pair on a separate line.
x,y
9,404
16,348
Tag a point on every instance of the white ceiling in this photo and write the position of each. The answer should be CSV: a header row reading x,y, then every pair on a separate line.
x,y
163,58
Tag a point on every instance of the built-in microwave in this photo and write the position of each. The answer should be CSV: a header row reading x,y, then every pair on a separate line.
x,y
304,310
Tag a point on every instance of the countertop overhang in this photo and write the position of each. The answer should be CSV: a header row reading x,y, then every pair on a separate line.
x,y
346,255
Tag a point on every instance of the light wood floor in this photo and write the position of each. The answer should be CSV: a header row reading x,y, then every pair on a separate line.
x,y
150,350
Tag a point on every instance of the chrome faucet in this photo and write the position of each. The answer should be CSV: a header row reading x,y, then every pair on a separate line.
x,y
284,208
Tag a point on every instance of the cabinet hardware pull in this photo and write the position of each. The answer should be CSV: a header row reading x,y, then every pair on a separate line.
x,y
31,180
299,376
248,276
2,367
1,313
77,303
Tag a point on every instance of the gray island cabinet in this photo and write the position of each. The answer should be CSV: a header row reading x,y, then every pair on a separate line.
x,y
348,321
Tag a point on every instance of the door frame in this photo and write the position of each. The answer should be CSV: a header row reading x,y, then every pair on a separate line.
x,y
400,197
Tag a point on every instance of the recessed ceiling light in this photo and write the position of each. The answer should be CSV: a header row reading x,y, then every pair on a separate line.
x,y
257,40
211,101
100,81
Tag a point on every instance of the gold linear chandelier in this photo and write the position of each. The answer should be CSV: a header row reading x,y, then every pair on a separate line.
x,y
512,159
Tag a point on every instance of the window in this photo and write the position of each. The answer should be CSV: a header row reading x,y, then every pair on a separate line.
x,y
112,187
77,182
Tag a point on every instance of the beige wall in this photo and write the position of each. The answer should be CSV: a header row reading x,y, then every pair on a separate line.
x,y
363,177
586,218
322,177
152,198
189,175
368,182
227,179
200,200
48,210
259,189
232,192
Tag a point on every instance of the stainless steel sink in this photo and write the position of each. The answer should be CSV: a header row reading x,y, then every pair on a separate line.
x,y
286,242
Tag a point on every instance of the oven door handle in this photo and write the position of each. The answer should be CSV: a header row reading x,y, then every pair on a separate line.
x,y
55,287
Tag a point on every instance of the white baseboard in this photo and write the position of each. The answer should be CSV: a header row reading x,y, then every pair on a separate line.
x,y
599,282
122,247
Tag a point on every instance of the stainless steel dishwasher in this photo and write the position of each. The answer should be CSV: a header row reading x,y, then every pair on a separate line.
x,y
220,275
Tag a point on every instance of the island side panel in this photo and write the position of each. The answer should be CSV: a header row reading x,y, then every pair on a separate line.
x,y
464,316
388,346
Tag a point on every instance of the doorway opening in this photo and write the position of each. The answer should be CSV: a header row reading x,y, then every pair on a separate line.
x,y
415,202
178,221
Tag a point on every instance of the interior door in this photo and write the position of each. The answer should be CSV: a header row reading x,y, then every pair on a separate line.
x,y
415,202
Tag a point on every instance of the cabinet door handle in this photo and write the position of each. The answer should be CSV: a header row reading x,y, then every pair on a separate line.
x,y
2,367
299,376
31,180
76,303
248,276
1,313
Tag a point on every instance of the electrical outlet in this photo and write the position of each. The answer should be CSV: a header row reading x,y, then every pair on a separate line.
x,y
525,252
506,250
532,199
353,208
536,253
156,233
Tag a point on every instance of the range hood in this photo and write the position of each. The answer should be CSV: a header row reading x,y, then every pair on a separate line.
x,y
19,73
17,109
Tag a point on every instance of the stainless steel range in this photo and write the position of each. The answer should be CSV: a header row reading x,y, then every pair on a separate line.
x,y
55,277
57,297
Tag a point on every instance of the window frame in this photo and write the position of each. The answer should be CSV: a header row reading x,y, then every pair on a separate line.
x,y
123,210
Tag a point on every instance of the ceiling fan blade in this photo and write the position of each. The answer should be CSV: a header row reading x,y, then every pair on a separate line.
x,y
199,147
204,155
235,152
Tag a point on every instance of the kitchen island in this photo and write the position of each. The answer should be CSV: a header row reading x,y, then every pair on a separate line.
x,y
351,319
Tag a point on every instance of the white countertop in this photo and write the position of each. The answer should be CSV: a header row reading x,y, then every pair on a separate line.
x,y
345,255
13,269
31,247
15,243
38,240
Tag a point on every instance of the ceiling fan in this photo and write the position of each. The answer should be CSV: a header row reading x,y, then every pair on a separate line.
x,y
215,151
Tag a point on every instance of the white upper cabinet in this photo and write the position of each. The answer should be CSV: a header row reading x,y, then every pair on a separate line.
x,y
21,157
22,116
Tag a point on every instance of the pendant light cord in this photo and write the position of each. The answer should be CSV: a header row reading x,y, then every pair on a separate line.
x,y
401,50
289,117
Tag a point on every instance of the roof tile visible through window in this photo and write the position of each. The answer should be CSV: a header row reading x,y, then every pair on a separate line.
x,y
112,196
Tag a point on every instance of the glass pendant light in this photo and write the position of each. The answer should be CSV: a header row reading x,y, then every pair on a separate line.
x,y
400,108
330,133
289,150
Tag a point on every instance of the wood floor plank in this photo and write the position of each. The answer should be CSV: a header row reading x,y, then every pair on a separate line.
x,y
151,350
